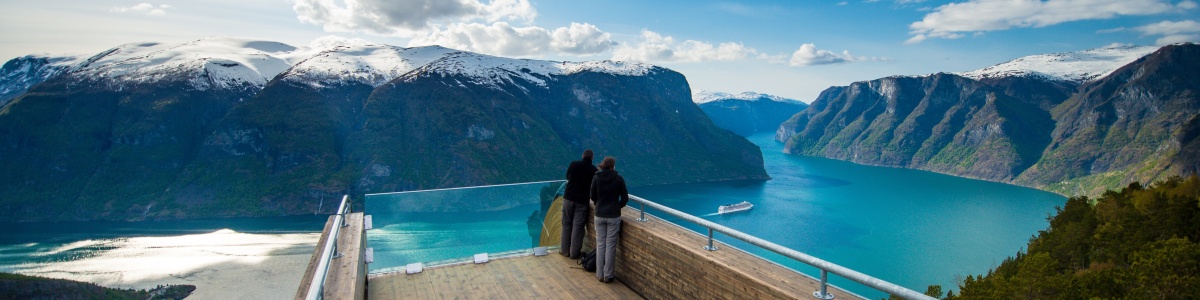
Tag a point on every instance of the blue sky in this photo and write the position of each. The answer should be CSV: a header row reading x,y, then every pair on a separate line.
x,y
793,49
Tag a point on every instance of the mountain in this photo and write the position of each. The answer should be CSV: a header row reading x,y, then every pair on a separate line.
x,y
1074,123
746,113
1138,124
223,127
1078,67
18,74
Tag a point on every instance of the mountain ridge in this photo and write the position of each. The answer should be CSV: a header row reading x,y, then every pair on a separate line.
x,y
1071,136
746,113
111,142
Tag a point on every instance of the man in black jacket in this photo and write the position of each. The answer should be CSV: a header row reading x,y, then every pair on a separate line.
x,y
575,204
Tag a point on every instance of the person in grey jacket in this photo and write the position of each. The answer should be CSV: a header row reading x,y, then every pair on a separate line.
x,y
575,205
610,195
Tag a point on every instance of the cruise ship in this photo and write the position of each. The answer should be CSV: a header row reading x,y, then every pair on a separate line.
x,y
728,208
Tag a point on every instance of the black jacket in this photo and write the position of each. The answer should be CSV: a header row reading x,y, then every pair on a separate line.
x,y
579,181
609,194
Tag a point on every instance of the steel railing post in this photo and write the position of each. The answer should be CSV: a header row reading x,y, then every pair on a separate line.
x,y
710,246
643,217
823,293
342,209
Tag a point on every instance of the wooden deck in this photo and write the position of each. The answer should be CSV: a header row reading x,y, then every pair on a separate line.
x,y
528,277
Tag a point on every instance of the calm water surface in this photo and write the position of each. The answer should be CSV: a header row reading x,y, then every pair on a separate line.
x,y
909,227
913,228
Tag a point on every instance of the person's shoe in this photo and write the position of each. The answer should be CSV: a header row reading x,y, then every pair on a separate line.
x,y
608,280
601,279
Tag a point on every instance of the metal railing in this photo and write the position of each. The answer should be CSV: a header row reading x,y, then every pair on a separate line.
x,y
316,288
825,266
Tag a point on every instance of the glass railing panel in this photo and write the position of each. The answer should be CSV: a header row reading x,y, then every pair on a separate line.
x,y
438,225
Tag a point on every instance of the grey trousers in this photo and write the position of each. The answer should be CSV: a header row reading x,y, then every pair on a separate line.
x,y
574,218
606,246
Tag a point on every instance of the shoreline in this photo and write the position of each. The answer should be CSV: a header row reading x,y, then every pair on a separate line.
x,y
223,264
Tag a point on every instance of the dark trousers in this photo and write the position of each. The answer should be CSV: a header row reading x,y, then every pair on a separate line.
x,y
573,221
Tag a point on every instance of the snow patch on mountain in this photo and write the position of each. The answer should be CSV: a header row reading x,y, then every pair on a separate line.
x,y
705,96
217,62
19,74
1080,66
241,63
365,63
498,71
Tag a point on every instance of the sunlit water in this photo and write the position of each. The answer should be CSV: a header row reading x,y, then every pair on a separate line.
x,y
909,227
260,258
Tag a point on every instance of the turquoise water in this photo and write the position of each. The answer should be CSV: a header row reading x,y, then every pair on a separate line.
x,y
908,227
912,228
23,244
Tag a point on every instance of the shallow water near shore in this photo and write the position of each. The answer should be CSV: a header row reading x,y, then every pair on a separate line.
x,y
247,258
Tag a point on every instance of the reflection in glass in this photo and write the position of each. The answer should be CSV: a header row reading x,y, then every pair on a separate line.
x,y
437,225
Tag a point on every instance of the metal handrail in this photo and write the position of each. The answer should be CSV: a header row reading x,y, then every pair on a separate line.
x,y
825,266
466,187
328,252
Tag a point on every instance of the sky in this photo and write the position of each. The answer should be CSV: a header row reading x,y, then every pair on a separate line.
x,y
793,49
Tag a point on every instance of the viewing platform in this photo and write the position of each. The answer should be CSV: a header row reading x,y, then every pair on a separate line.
x,y
656,259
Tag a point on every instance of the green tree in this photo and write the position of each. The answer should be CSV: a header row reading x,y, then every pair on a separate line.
x,y
1169,269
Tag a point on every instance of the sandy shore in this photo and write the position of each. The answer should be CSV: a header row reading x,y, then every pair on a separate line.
x,y
222,264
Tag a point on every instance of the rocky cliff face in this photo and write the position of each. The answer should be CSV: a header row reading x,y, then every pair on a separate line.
x,y
216,139
1072,136
942,122
1133,125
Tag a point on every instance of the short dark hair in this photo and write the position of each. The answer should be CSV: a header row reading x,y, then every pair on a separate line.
x,y
587,154
608,164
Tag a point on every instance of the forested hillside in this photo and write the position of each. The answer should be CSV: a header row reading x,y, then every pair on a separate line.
x,y
1138,243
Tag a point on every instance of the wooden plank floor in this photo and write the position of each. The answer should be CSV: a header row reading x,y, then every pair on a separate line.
x,y
528,277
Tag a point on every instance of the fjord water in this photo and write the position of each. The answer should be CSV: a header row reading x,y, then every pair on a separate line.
x,y
912,228
909,227
243,258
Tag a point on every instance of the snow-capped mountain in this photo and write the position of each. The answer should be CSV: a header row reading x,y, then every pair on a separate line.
x,y
20,73
371,64
1078,67
222,127
216,62
705,96
746,113
224,62
495,71
1078,123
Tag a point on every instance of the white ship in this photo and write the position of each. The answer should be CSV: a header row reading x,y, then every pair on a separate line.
x,y
728,208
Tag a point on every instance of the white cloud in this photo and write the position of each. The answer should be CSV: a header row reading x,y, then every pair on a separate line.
x,y
147,8
580,39
654,47
950,21
406,17
1177,38
809,55
500,38
1169,28
1172,32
